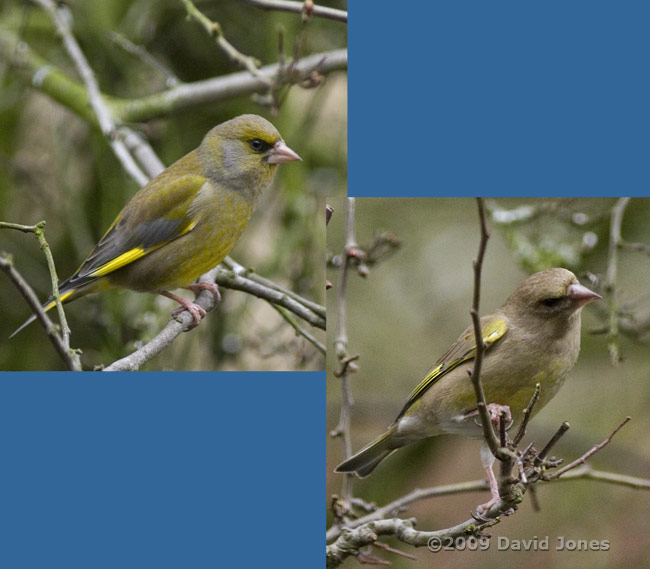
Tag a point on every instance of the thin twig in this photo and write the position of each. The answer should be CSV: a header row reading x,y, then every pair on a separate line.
x,y
299,8
588,454
39,231
70,357
642,247
141,151
341,344
586,472
612,273
238,269
475,374
272,294
141,53
564,427
526,416
299,329
214,30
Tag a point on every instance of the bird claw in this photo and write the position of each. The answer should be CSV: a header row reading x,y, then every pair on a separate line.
x,y
495,410
482,509
196,288
194,309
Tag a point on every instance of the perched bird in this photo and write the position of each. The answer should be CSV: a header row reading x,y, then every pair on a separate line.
x,y
183,222
533,338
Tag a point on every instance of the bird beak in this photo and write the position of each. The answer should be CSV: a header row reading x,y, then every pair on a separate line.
x,y
581,295
281,153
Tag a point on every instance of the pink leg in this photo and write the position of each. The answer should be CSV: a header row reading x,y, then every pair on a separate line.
x,y
196,288
194,309
487,459
495,411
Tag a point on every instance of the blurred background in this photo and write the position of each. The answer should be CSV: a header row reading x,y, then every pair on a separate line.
x,y
415,302
55,167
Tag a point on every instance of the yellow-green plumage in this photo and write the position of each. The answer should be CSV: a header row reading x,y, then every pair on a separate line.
x,y
184,221
533,338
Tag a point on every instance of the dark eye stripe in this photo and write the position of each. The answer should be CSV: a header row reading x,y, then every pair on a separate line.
x,y
258,145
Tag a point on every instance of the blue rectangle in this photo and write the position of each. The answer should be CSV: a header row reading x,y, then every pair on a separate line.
x,y
161,469
499,98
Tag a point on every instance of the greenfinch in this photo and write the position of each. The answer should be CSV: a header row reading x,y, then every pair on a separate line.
x,y
533,338
183,222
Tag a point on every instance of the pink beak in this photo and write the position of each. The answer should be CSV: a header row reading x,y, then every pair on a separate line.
x,y
282,153
581,294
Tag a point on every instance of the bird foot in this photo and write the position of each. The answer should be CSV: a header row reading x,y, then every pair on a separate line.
x,y
194,309
495,410
482,509
196,288
479,514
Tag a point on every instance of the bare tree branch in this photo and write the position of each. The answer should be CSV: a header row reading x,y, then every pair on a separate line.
x,y
206,300
301,8
103,114
40,74
588,454
475,374
366,530
214,30
70,357
341,346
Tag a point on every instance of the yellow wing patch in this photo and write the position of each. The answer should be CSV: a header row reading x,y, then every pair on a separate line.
x,y
463,350
132,255
494,331
119,262
63,298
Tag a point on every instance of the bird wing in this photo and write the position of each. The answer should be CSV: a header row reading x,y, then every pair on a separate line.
x,y
152,219
464,349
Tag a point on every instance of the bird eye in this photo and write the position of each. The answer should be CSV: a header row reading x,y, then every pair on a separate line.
x,y
551,302
259,145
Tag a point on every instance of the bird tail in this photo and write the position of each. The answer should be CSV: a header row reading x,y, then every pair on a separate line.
x,y
68,290
367,459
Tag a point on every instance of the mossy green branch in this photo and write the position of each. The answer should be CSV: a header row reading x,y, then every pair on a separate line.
x,y
40,74
48,79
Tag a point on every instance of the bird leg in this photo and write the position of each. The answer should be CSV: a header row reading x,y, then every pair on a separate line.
x,y
196,288
194,309
487,458
495,410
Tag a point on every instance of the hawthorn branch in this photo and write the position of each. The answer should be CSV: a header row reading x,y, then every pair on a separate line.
x,y
367,529
350,541
611,277
475,374
341,346
400,504
583,459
